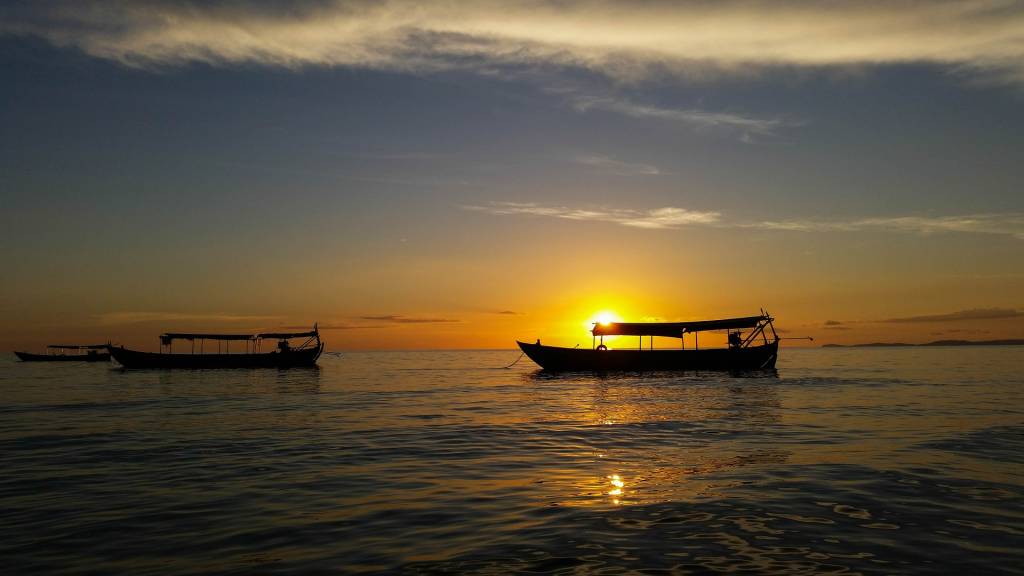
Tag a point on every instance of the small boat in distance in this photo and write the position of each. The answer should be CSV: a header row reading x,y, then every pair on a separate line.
x,y
284,356
742,353
59,353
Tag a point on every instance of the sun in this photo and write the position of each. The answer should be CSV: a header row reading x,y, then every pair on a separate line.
x,y
603,317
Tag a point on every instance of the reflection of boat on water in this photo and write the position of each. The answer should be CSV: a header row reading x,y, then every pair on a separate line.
x,y
285,356
59,353
755,351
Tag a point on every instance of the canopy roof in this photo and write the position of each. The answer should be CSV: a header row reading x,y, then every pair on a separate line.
x,y
78,346
186,336
197,336
674,329
286,335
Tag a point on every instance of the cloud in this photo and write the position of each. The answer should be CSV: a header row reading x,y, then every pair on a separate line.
x,y
834,325
382,321
394,157
1008,224
617,167
508,312
115,318
658,218
622,40
973,314
399,319
334,326
747,126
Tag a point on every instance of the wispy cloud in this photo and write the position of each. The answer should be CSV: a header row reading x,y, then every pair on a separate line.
x,y
334,326
1007,224
623,40
658,218
396,156
612,166
960,331
115,318
376,321
973,314
399,319
834,325
747,126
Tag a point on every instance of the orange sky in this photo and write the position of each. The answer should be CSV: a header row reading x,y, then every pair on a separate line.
x,y
462,175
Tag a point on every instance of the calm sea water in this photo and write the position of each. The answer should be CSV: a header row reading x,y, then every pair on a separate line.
x,y
874,461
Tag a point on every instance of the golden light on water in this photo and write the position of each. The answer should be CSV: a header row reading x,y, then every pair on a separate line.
x,y
617,484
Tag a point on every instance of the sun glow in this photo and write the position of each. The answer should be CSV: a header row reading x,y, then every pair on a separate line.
x,y
603,317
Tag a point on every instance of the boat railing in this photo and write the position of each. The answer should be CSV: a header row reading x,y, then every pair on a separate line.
x,y
253,342
62,349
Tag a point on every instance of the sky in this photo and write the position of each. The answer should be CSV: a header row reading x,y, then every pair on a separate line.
x,y
465,174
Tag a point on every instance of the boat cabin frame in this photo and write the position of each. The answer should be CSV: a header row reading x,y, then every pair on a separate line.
x,y
253,342
59,349
760,326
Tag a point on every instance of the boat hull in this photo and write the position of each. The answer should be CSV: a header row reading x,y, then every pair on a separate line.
x,y
557,359
278,359
29,357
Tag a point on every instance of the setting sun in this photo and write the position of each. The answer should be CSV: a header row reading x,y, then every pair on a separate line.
x,y
603,317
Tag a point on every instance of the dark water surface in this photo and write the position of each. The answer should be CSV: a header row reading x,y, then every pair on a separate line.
x,y
875,461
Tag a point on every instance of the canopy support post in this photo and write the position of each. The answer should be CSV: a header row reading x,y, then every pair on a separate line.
x,y
750,338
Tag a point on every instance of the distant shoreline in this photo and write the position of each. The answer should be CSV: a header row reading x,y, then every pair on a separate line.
x,y
1009,342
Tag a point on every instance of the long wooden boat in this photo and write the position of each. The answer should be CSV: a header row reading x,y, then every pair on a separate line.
x,y
754,351
59,353
284,356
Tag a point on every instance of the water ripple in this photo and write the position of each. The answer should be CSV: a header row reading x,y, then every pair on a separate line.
x,y
432,463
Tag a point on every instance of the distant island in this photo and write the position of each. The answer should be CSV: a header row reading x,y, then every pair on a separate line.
x,y
1011,342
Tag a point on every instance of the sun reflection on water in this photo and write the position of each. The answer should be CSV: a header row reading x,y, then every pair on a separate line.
x,y
617,484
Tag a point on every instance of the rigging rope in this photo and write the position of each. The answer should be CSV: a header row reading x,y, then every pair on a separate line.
x,y
521,354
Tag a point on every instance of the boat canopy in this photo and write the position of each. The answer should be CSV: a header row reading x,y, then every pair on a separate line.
x,y
168,337
674,329
77,346
287,335
171,336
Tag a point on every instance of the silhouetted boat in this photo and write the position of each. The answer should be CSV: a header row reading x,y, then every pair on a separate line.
x,y
284,356
57,353
742,353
